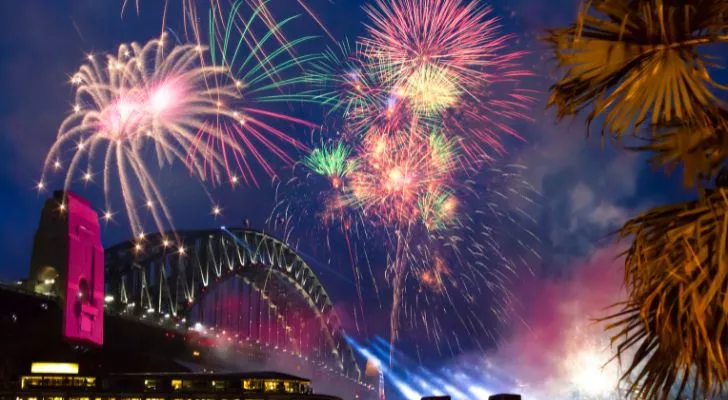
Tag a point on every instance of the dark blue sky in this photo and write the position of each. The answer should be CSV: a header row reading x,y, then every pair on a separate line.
x,y
586,191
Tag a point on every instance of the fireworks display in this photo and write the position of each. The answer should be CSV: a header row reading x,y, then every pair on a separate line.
x,y
154,96
420,117
259,77
162,95
411,182
445,58
397,166
193,10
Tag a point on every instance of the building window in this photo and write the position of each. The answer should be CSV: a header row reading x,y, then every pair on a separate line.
x,y
57,381
219,385
252,384
176,384
275,386
30,381
151,384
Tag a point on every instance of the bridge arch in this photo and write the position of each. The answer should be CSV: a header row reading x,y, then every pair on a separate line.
x,y
170,276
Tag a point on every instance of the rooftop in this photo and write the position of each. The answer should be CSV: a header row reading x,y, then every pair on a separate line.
x,y
222,375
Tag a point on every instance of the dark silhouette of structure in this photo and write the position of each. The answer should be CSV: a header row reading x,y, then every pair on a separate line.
x,y
168,302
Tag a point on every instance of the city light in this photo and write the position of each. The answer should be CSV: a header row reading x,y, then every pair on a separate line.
x,y
53,368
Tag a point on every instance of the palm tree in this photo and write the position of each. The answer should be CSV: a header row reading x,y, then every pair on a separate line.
x,y
640,67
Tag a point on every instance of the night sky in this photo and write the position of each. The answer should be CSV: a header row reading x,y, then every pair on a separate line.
x,y
586,191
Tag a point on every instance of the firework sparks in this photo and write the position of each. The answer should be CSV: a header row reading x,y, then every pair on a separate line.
x,y
430,89
190,10
251,126
461,38
331,161
445,59
393,173
144,96
437,210
343,81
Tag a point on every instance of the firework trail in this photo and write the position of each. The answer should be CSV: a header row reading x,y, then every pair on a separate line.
x,y
154,96
459,263
255,127
196,11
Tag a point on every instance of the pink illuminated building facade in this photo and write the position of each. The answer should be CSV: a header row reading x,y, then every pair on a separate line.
x,y
68,261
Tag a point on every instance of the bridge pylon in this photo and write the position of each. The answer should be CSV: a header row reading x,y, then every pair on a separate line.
x,y
68,261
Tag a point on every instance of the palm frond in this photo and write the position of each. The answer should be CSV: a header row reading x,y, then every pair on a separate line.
x,y
676,317
634,60
700,146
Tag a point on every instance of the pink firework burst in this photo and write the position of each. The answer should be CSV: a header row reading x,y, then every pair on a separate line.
x,y
449,61
462,37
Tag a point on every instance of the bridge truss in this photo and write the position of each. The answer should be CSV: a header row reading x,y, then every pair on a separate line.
x,y
240,282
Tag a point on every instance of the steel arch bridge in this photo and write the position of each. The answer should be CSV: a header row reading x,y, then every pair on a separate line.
x,y
240,282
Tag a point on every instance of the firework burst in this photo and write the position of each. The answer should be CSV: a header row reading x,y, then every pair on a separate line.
x,y
449,62
458,38
331,161
151,96
347,85
259,78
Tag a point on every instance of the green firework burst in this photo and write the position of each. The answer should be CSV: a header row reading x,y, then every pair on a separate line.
x,y
330,160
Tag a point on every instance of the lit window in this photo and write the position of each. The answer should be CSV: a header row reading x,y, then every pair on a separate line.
x,y
30,381
176,384
151,384
219,385
272,386
252,384
57,381
53,368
